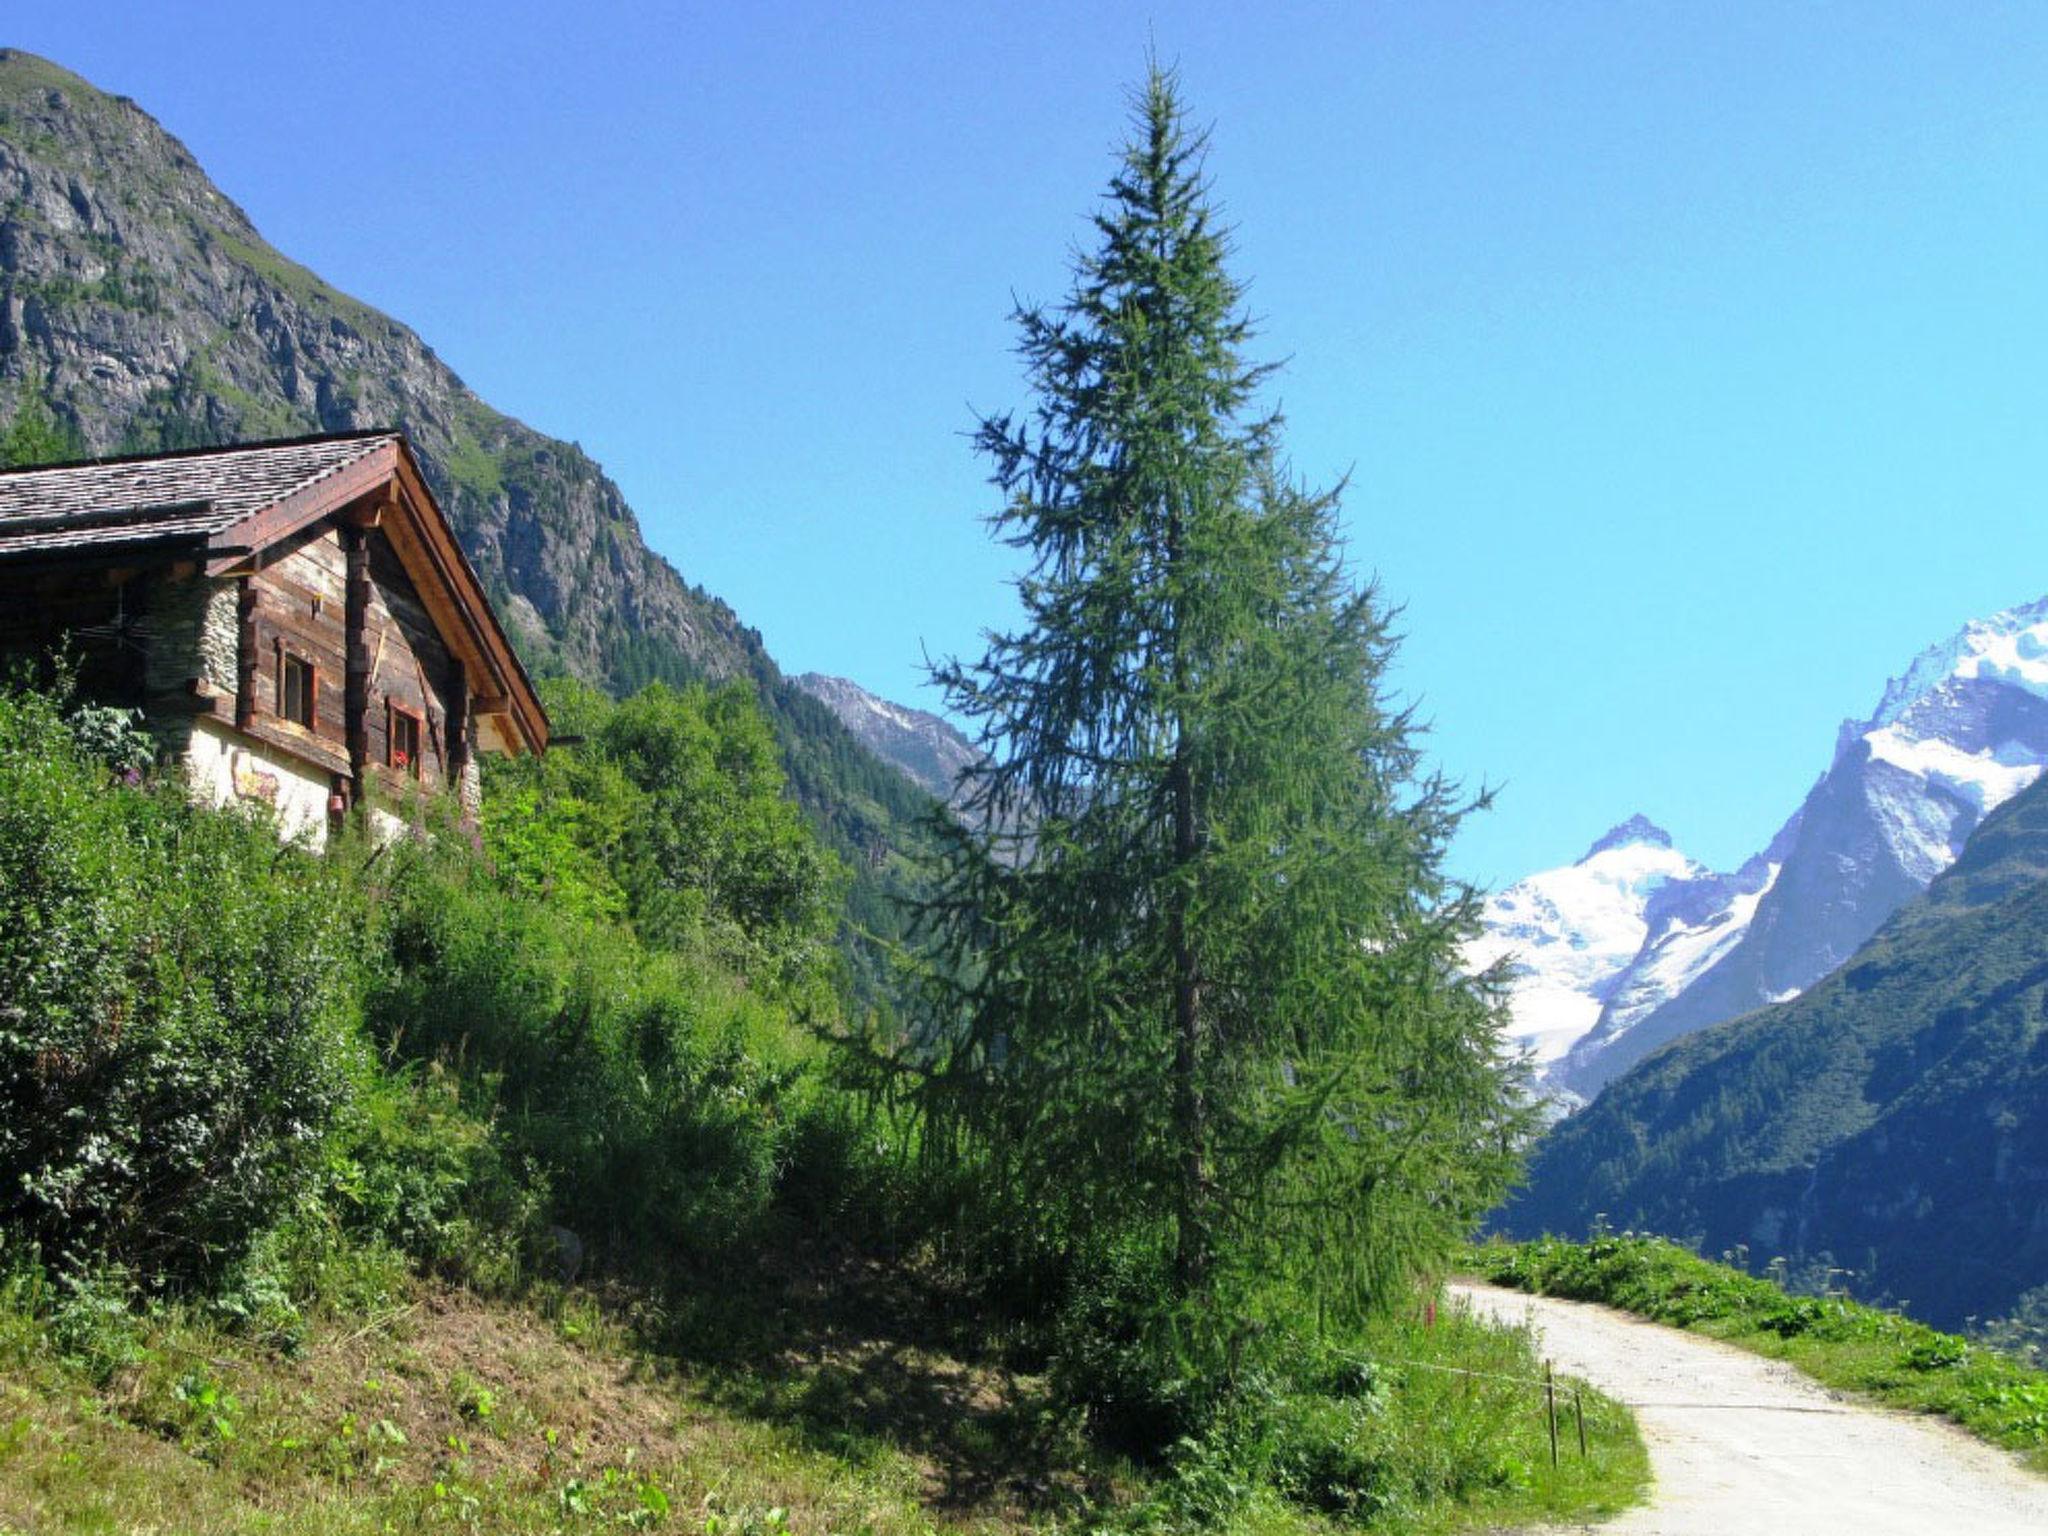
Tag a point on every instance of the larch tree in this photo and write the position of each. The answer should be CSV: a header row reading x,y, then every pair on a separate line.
x,y
37,435
1198,1012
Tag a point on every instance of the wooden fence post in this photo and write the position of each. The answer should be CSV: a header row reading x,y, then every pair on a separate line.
x,y
1579,1413
1550,1408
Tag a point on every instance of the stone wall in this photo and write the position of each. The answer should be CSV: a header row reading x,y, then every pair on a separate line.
x,y
193,633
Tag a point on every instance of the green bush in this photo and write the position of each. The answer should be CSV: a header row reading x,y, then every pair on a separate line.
x,y
177,999
412,1168
652,1091
184,1073
1115,1354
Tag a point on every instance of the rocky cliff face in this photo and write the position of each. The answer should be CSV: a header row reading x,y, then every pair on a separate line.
x,y
933,753
151,313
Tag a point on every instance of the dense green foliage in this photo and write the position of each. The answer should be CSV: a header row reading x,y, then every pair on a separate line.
x,y
523,1056
177,1014
1198,1059
671,812
37,435
1887,1122
1840,1342
209,1039
872,817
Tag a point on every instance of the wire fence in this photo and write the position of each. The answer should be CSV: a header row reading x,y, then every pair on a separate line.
x,y
1552,1392
1547,1383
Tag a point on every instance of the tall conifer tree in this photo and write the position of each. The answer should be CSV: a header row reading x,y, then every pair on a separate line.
x,y
1213,1023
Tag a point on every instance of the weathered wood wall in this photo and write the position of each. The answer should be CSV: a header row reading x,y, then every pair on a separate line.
x,y
298,597
301,608
410,667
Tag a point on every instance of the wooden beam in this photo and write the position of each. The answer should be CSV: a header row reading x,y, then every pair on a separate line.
x,y
457,728
300,743
501,665
367,514
247,599
323,496
356,692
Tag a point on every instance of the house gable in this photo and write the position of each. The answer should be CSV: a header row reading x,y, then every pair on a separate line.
x,y
302,601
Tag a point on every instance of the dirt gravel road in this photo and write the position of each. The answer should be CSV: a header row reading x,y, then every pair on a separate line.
x,y
1744,1446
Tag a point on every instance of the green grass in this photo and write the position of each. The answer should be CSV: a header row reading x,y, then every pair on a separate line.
x,y
467,461
1840,1343
398,1404
435,1411
312,290
1463,1438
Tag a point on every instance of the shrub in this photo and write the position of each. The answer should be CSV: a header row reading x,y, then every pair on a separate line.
x,y
414,1169
176,1013
653,1091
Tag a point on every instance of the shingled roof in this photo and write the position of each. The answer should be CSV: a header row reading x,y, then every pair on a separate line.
x,y
175,497
221,507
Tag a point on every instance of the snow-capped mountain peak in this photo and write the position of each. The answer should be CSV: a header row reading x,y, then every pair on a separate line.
x,y
1962,730
2009,647
1637,829
1568,933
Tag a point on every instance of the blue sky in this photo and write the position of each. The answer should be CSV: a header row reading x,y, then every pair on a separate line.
x,y
1690,361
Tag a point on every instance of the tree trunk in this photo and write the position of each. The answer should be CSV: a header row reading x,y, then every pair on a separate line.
x,y
1192,1238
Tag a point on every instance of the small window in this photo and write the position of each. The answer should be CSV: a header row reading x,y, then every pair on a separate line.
x,y
405,741
298,685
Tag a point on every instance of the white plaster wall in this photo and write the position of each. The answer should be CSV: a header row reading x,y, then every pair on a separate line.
x,y
226,768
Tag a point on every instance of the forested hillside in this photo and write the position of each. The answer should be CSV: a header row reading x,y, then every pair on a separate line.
x,y
1892,1121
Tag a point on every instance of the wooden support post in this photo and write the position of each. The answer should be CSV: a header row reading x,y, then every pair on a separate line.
x,y
457,727
246,599
356,693
1579,1413
1550,1408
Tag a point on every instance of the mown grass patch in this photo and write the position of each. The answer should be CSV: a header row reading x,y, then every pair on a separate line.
x,y
437,1411
406,1404
1840,1343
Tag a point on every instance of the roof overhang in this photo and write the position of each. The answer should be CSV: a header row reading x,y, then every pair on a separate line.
x,y
385,489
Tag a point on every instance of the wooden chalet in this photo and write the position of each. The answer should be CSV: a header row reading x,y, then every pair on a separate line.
x,y
294,619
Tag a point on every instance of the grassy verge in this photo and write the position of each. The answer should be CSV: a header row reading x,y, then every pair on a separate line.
x,y
1463,1442
1840,1343
435,1411
400,1404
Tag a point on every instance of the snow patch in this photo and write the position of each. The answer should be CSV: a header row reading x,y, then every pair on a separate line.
x,y
1985,780
1567,934
2009,647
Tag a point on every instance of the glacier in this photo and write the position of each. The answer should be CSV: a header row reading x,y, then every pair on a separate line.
x,y
1636,944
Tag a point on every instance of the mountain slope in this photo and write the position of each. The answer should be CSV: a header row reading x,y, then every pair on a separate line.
x,y
1893,1119
930,751
1963,729
148,309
